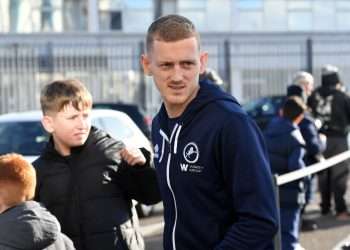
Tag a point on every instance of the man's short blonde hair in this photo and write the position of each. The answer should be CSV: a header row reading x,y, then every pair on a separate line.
x,y
58,94
17,179
170,28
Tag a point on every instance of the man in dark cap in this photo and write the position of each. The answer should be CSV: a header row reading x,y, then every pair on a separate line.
x,y
331,105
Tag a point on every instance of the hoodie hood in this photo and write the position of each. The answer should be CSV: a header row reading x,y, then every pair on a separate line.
x,y
279,126
28,226
208,92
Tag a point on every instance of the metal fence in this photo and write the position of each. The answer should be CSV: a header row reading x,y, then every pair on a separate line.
x,y
252,65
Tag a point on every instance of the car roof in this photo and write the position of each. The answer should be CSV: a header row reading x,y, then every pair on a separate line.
x,y
36,115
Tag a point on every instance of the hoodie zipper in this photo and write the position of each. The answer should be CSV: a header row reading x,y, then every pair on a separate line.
x,y
175,133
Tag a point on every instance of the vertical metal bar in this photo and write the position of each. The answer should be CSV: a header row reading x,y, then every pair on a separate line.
x,y
143,98
309,55
278,238
158,8
227,65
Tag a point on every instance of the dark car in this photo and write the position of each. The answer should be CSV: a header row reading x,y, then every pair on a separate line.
x,y
136,114
263,109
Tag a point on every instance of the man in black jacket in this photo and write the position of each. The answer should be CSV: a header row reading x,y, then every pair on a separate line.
x,y
331,105
86,178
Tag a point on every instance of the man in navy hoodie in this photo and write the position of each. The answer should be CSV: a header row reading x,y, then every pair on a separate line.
x,y
210,157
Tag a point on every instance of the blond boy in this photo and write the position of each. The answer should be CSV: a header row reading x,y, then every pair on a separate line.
x,y
85,177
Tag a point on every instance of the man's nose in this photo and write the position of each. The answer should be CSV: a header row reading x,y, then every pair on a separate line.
x,y
177,74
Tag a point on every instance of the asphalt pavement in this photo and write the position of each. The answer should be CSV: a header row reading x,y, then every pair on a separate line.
x,y
330,235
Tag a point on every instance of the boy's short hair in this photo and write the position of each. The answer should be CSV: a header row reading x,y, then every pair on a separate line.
x,y
170,28
56,95
17,179
293,107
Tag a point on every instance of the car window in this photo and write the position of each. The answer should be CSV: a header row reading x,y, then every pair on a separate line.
x,y
117,128
264,106
26,138
268,108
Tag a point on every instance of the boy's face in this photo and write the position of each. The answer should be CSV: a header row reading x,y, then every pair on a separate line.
x,y
69,127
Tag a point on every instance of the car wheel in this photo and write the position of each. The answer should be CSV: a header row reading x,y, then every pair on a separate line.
x,y
143,210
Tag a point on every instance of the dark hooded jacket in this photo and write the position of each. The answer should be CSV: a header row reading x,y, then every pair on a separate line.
x,y
29,226
214,176
285,145
90,192
332,107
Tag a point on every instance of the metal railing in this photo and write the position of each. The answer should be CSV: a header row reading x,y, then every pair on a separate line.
x,y
301,173
252,65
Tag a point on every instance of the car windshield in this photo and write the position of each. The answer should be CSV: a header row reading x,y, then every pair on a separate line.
x,y
26,138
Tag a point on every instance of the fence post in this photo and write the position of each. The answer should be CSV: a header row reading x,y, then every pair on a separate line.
x,y
142,87
227,65
277,241
309,55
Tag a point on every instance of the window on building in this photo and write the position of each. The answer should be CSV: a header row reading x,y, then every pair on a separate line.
x,y
192,4
299,15
342,15
46,15
195,10
299,4
250,21
250,4
74,15
139,4
343,5
116,20
300,20
342,20
110,14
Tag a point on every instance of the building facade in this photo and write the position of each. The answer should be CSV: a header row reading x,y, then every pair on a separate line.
x,y
27,16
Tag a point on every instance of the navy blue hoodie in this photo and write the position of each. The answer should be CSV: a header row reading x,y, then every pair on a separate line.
x,y
286,149
214,176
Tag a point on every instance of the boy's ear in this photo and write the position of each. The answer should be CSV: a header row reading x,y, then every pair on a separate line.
x,y
47,123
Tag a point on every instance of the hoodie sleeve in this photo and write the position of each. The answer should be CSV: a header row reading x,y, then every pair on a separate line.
x,y
137,182
314,145
247,176
297,151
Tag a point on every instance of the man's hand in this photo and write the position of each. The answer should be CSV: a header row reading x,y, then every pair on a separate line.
x,y
133,156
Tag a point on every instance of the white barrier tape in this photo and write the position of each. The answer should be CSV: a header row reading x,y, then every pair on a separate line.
x,y
314,168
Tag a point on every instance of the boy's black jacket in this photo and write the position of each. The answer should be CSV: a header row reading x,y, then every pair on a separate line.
x,y
90,192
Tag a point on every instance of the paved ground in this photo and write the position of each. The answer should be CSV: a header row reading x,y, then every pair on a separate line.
x,y
330,233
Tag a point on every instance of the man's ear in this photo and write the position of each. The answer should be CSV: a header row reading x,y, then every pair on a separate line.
x,y
203,62
47,123
145,61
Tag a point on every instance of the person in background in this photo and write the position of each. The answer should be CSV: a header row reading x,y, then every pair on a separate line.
x,y
86,178
285,145
315,142
25,224
212,76
331,105
210,157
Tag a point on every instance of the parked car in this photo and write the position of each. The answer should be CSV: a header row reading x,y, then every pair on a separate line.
x,y
263,109
23,133
133,111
